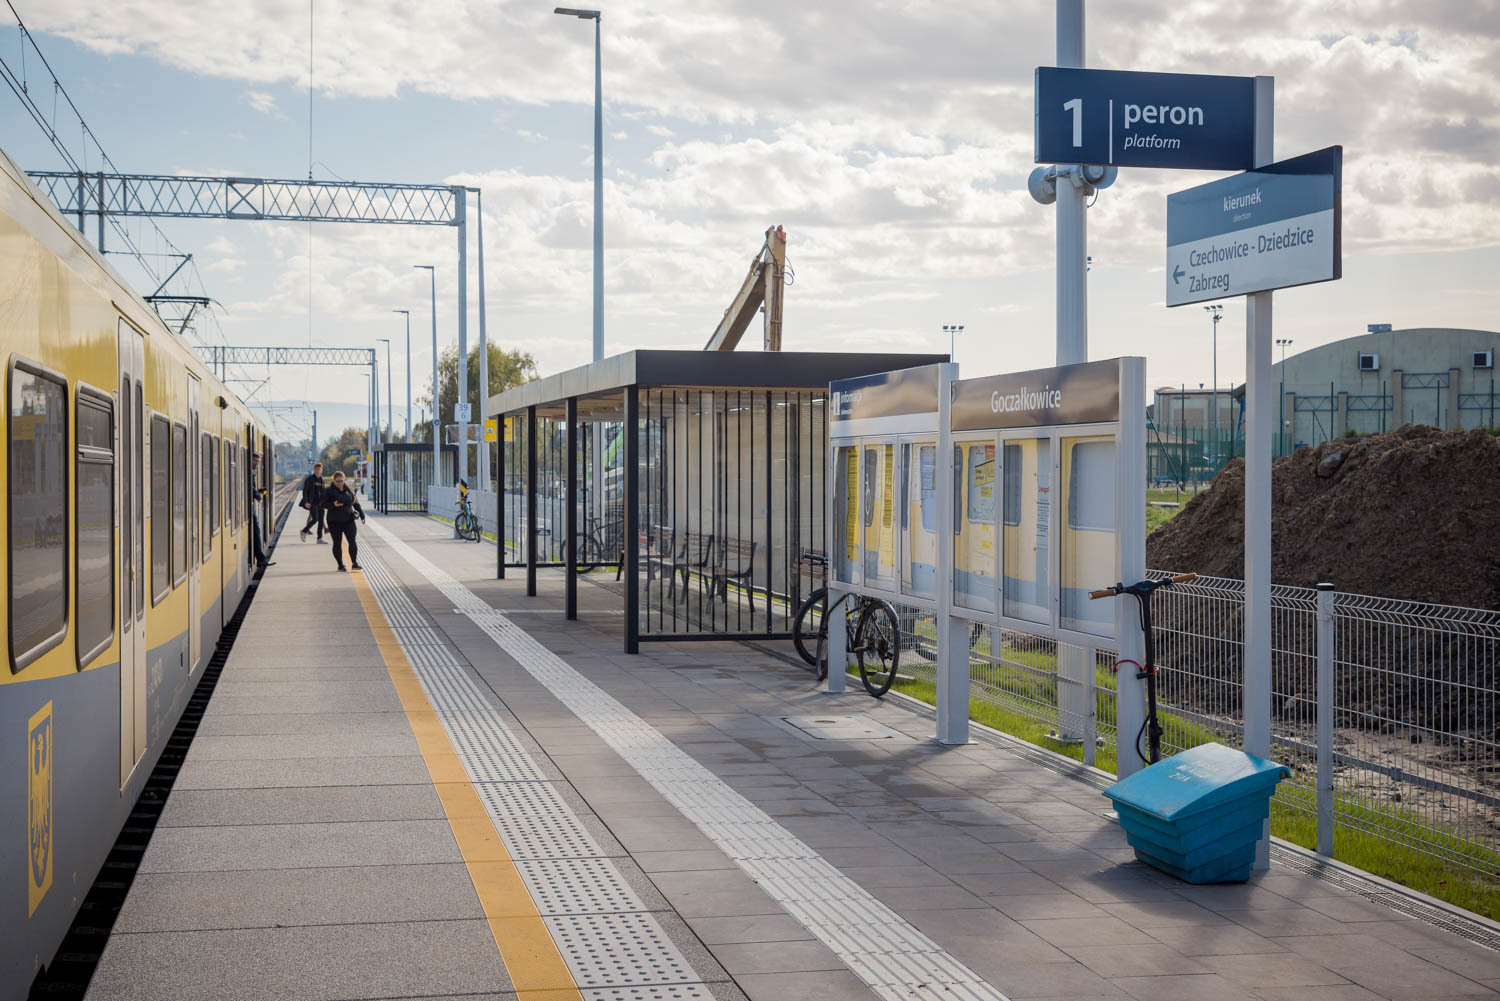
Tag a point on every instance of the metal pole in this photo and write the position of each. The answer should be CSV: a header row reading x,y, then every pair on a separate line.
x,y
1072,228
1072,313
461,197
570,545
1130,519
500,499
598,195
531,502
101,211
1257,618
953,634
437,419
389,422
632,471
1215,394
484,350
1325,719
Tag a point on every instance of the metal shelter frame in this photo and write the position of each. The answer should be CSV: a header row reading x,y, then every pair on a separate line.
x,y
165,196
716,471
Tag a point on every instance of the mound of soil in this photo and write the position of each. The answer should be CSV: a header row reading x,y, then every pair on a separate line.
x,y
1413,513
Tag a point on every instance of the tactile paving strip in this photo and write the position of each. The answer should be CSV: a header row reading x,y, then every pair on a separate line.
x,y
879,946
614,947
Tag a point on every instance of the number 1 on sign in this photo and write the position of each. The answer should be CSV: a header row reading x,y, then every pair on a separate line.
x,y
1076,106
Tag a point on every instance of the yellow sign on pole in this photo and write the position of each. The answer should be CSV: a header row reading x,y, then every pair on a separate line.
x,y
491,431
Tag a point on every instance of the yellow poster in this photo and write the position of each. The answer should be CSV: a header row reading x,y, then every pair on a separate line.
x,y
491,432
38,807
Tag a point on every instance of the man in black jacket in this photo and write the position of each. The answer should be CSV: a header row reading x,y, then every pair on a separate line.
x,y
312,499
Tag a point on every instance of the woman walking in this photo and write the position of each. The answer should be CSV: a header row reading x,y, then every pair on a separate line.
x,y
342,507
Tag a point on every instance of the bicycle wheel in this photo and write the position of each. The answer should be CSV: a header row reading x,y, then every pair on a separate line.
x,y
458,525
476,530
588,552
805,632
877,639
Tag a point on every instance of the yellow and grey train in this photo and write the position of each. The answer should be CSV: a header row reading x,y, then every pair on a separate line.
x,y
127,495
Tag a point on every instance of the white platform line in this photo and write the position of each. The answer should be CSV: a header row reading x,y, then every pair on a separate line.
x,y
897,963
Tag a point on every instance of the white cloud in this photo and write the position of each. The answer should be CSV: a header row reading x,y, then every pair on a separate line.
x,y
263,102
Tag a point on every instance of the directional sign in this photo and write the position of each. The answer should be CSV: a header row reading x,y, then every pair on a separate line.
x,y
461,413
1270,228
1181,120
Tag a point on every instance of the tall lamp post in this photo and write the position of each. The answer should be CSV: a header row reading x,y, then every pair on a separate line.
x,y
593,15
407,313
1282,342
437,417
952,330
1216,311
389,429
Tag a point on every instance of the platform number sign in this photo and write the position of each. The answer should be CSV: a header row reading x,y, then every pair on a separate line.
x,y
1186,121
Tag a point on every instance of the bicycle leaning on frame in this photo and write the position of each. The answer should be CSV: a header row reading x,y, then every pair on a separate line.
x,y
466,522
872,633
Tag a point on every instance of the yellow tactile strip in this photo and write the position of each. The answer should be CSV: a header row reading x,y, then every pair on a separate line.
x,y
531,957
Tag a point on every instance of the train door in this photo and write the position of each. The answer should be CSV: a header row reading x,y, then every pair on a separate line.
x,y
132,535
194,526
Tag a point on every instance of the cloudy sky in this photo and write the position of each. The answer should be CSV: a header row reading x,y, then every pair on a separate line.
x,y
892,140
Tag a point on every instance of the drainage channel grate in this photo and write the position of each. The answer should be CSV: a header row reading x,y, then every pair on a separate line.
x,y
1464,925
72,968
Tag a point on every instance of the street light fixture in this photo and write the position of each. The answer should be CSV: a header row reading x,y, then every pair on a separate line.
x,y
407,313
595,16
952,330
437,417
1216,310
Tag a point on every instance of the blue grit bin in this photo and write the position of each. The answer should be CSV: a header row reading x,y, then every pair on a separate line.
x,y
1198,814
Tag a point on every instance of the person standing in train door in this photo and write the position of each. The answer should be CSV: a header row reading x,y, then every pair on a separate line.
x,y
257,492
342,507
312,502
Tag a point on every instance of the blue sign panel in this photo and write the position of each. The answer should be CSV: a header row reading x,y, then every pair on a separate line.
x,y
1265,229
1181,120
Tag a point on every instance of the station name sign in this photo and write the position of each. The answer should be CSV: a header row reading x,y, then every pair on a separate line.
x,y
1273,227
1072,394
901,393
1179,120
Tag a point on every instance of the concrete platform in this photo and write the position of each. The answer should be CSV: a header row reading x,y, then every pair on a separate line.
x,y
367,807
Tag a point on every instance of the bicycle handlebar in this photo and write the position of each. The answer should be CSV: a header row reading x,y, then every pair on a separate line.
x,y
1144,587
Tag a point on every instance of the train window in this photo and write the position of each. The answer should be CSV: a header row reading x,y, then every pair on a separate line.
x,y
215,488
140,473
161,508
179,504
1024,585
974,548
38,501
1088,545
94,495
205,495
127,514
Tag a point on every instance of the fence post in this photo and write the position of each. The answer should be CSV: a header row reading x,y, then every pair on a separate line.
x,y
1090,705
1325,719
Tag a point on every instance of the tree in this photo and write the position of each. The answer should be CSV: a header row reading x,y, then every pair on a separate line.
x,y
335,454
507,369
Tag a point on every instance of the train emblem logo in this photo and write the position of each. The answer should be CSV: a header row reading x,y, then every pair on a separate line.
x,y
39,804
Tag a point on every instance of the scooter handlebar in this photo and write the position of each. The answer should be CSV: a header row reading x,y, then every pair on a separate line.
x,y
1106,592
1184,578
